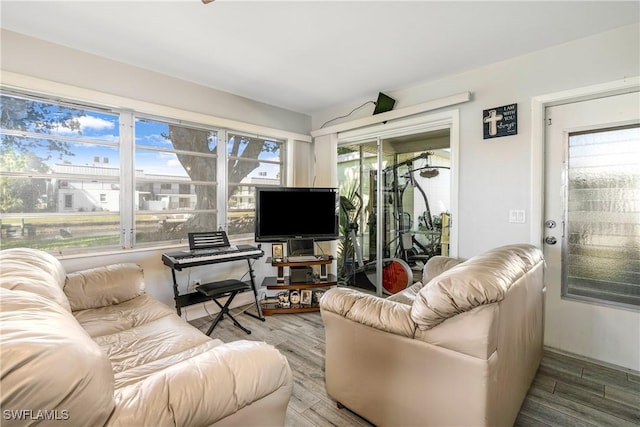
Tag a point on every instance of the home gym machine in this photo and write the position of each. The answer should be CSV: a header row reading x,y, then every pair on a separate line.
x,y
402,250
405,245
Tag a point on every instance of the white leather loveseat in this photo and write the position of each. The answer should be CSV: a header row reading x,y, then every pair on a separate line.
x,y
90,348
460,348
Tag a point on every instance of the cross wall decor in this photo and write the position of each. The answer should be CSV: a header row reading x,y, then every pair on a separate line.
x,y
500,121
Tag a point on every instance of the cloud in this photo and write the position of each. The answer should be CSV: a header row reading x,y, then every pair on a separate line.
x,y
87,124
96,123
175,163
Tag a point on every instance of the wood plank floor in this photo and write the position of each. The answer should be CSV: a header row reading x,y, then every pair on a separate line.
x,y
566,391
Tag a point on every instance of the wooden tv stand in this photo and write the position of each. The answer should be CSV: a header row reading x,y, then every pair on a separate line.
x,y
283,283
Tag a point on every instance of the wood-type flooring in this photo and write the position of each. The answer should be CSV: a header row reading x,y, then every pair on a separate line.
x,y
567,391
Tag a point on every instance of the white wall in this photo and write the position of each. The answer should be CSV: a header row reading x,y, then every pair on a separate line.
x,y
38,58
495,175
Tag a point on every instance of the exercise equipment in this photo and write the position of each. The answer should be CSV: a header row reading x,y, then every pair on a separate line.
x,y
396,273
404,247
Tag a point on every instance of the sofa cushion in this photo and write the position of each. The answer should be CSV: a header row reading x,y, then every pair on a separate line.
x,y
407,296
122,317
148,342
33,271
483,279
103,286
49,363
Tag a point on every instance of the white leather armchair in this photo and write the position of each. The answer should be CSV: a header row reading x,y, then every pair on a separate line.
x,y
459,348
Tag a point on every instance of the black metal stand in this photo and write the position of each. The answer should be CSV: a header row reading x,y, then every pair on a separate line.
x,y
225,288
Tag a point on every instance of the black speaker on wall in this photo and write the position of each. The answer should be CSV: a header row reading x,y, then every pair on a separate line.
x,y
384,103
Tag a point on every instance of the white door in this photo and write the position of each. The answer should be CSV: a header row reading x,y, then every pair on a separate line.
x,y
608,332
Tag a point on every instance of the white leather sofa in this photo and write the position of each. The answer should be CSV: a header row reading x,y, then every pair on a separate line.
x,y
91,348
460,348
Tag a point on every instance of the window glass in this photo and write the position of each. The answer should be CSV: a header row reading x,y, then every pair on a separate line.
x,y
67,181
59,175
252,161
603,205
176,180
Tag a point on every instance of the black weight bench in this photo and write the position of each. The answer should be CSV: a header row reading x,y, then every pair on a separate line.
x,y
221,289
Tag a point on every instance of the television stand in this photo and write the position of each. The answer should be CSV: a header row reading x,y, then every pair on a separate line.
x,y
306,290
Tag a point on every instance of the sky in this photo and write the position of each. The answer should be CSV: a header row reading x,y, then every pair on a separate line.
x,y
103,128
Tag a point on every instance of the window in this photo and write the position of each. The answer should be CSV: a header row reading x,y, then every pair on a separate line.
x,y
180,161
603,216
252,161
61,177
68,201
49,182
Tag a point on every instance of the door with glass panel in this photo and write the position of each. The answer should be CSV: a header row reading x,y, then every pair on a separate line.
x,y
592,226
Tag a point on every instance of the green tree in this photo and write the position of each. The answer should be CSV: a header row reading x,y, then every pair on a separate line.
x,y
20,194
247,149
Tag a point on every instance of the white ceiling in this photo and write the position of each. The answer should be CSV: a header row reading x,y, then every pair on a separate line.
x,y
307,56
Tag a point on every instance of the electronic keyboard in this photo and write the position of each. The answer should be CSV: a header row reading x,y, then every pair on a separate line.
x,y
191,258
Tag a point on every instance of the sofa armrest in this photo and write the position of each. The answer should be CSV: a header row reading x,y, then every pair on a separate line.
x,y
104,286
206,388
370,310
437,265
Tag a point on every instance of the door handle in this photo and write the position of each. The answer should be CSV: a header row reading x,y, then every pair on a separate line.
x,y
550,240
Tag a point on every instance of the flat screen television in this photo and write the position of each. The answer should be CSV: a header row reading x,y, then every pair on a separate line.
x,y
288,213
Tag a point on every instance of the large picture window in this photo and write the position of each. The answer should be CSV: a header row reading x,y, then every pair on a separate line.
x,y
68,181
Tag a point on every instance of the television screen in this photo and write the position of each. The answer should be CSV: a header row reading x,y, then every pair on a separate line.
x,y
285,213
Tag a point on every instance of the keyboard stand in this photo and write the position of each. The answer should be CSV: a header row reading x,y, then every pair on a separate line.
x,y
221,289
244,253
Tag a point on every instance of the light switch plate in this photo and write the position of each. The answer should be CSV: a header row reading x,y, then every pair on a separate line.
x,y
517,216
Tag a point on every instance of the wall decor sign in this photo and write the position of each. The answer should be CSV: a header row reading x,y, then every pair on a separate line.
x,y
500,121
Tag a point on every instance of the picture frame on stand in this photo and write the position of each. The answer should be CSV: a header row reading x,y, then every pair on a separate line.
x,y
294,296
306,296
283,298
317,294
277,252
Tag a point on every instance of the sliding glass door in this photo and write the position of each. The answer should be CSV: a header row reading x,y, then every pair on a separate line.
x,y
395,207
